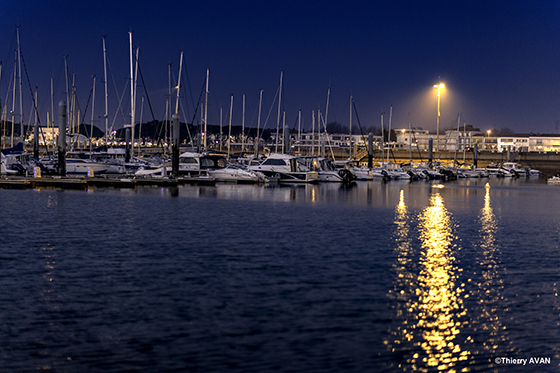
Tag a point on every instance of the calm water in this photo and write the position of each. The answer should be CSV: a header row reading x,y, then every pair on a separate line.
x,y
372,278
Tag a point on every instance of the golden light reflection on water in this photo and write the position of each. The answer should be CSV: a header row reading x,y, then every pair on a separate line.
x,y
488,296
430,304
440,306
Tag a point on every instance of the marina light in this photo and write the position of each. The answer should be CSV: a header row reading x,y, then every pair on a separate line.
x,y
439,87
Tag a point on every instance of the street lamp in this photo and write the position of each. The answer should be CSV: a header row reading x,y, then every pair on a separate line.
x,y
439,87
489,132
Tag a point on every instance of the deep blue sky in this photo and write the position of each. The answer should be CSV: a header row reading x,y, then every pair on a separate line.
x,y
500,60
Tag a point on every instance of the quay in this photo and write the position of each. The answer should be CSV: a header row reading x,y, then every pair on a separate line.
x,y
22,182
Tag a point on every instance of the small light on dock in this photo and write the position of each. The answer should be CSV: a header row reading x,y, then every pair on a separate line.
x,y
487,186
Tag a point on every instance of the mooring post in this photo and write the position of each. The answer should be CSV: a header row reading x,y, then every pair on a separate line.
x,y
62,138
175,147
370,150
475,155
127,144
430,151
36,139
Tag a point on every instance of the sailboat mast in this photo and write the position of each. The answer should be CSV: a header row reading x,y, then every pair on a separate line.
x,y
67,89
221,132
132,119
92,117
243,127
312,132
278,119
299,131
350,156
52,113
135,91
206,109
14,100
179,84
382,139
20,88
230,114
327,110
106,93
168,110
457,141
258,124
389,133
141,116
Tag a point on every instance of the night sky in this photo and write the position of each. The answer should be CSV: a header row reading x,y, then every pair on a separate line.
x,y
499,60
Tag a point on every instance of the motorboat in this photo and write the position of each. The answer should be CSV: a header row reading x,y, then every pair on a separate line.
x,y
85,167
521,171
236,173
327,169
395,171
496,170
286,168
360,173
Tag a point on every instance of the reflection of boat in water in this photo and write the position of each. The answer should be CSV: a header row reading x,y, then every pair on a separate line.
x,y
286,168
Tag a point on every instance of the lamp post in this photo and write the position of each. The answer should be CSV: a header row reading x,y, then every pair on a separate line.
x,y
489,132
439,87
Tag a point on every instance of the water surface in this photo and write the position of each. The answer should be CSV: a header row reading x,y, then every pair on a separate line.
x,y
376,277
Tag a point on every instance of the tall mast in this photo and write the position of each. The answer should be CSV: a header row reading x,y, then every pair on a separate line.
x,y
319,143
92,117
131,92
312,132
299,131
230,114
179,84
206,109
168,109
20,88
52,113
106,116
457,141
284,145
327,110
278,120
141,116
389,133
243,127
382,139
67,89
221,134
14,100
73,109
350,157
259,123
135,90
